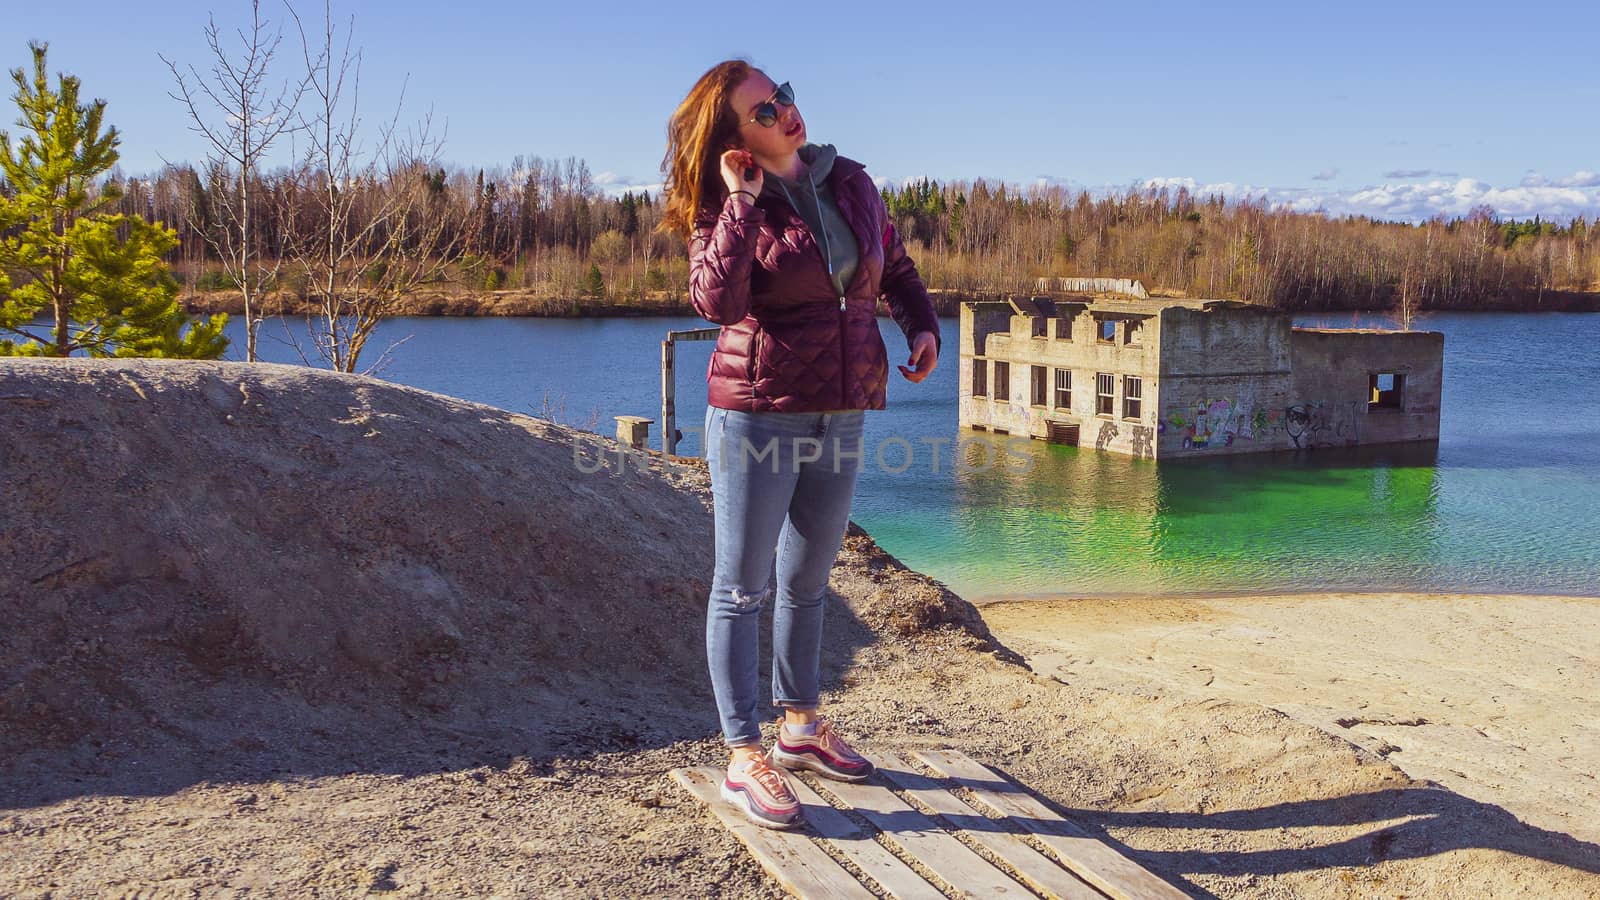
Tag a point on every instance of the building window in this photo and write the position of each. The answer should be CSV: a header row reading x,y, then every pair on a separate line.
x,y
1105,389
1040,324
1063,389
1387,390
1131,331
1132,397
1002,381
1106,330
980,378
1040,385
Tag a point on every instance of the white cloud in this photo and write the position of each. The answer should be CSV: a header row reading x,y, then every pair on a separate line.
x,y
1414,202
1411,200
1576,195
1579,179
1228,189
620,187
1327,174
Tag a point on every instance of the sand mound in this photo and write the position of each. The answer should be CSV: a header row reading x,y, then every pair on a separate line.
x,y
183,540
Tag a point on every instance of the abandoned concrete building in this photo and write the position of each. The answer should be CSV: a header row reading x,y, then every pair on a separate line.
x,y
1162,378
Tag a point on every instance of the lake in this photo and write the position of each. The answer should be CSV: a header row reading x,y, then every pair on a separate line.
x,y
1508,500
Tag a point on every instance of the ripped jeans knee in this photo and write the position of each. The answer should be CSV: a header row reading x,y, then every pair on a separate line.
x,y
745,601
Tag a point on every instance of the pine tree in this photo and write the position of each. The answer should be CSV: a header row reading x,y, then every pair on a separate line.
x,y
100,276
630,215
594,283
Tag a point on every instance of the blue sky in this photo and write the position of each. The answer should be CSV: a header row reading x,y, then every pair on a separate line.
x,y
1392,109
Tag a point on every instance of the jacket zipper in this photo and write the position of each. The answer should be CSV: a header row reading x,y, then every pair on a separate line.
x,y
843,368
827,257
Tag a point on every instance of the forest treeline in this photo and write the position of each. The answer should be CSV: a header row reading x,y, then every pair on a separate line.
x,y
546,226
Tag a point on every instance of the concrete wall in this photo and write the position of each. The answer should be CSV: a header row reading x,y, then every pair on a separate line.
x,y
1338,364
978,321
1071,341
1226,380
1131,287
1239,413
1223,341
1267,386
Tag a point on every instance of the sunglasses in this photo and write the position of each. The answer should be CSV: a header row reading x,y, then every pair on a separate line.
x,y
767,113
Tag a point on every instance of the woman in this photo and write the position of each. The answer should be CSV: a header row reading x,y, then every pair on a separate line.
x,y
790,248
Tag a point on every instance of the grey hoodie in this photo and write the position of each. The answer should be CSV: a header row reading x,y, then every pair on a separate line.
x,y
813,200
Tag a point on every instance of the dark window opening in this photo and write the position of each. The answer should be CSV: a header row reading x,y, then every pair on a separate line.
x,y
1107,331
1105,394
1002,381
1387,391
1040,392
1063,389
1132,397
1040,324
1131,331
980,378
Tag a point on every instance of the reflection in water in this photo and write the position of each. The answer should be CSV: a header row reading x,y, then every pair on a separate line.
x,y
1081,522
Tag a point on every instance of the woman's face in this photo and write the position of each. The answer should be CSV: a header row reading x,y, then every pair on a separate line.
x,y
778,141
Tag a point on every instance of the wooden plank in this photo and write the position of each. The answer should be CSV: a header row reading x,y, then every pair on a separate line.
x,y
894,876
788,856
1037,870
1093,861
933,847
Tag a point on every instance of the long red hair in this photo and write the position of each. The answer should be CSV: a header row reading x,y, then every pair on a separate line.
x,y
702,128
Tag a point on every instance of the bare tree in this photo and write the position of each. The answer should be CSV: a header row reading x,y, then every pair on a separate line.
x,y
373,228
254,112
609,248
1408,297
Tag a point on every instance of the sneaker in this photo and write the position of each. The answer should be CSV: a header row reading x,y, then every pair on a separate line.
x,y
762,793
825,753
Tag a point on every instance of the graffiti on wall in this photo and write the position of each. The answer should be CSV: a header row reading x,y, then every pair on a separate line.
x,y
1108,433
1304,422
1144,439
1309,424
1216,423
1219,422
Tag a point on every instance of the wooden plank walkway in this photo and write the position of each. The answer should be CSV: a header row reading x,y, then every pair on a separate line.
x,y
929,847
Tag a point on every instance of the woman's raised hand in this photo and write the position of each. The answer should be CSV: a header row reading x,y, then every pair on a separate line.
x,y
734,162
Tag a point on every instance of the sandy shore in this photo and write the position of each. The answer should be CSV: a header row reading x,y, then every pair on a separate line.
x,y
1490,696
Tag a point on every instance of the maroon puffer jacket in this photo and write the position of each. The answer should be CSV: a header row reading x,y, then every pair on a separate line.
x,y
788,342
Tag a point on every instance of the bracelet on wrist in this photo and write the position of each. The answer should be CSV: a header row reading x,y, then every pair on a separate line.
x,y
745,192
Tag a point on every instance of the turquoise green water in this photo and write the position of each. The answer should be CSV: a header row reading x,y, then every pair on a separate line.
x,y
1508,500
1086,523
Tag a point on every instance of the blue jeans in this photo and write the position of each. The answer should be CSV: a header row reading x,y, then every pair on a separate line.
x,y
781,485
